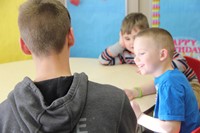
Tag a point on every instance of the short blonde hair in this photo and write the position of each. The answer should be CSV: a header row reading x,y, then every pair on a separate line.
x,y
134,20
43,25
161,37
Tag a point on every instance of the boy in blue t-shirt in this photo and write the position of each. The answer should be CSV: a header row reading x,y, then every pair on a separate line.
x,y
176,108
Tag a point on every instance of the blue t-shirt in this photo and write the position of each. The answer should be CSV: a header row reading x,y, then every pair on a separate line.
x,y
176,100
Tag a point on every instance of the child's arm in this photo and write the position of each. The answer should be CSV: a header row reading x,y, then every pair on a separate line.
x,y
155,124
110,55
181,64
114,53
146,89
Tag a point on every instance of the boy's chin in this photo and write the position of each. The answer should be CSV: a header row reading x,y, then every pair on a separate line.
x,y
143,73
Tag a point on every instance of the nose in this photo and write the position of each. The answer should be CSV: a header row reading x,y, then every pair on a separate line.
x,y
136,59
132,46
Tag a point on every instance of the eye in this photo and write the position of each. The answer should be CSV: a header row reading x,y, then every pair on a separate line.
x,y
127,38
142,53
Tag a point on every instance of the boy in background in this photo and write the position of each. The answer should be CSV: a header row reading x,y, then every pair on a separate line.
x,y
120,52
176,108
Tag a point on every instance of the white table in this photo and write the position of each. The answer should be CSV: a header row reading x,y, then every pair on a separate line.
x,y
122,76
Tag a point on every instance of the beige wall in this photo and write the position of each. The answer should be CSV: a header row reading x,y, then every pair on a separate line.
x,y
143,6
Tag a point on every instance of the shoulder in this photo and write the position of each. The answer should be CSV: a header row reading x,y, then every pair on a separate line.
x,y
105,87
106,90
171,79
5,111
107,94
173,75
176,85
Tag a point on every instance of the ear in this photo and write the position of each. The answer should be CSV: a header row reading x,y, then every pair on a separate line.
x,y
70,37
163,54
24,48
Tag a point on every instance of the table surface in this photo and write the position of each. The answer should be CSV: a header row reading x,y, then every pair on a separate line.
x,y
122,76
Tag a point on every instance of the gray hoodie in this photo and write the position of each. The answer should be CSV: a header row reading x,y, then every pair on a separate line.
x,y
87,107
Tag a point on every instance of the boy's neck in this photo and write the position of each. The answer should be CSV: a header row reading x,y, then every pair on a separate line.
x,y
53,66
164,67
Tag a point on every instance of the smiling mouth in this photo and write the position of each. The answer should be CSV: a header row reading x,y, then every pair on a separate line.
x,y
140,66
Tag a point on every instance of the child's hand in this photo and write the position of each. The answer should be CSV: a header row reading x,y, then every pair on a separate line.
x,y
121,40
136,109
129,93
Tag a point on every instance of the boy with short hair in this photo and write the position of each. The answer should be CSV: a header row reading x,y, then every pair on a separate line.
x,y
176,108
57,101
120,52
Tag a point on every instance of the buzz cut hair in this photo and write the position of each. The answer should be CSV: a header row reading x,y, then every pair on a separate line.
x,y
43,25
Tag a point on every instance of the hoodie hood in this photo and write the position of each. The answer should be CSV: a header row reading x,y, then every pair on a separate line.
x,y
62,115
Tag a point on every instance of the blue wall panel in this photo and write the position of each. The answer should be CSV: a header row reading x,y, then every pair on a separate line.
x,y
96,25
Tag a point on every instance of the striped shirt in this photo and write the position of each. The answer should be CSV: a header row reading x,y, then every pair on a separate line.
x,y
180,63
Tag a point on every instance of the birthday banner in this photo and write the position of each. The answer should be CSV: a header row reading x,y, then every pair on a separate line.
x,y
182,19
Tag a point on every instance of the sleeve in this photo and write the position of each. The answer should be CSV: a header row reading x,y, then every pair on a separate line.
x,y
112,55
128,122
171,102
180,63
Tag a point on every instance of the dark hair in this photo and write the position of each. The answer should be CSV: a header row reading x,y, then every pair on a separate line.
x,y
43,25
